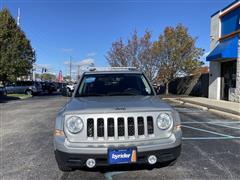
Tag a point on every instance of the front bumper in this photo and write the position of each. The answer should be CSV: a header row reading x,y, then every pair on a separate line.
x,y
62,144
76,154
79,160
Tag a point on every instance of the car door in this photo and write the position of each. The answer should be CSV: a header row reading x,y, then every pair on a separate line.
x,y
26,86
10,88
19,87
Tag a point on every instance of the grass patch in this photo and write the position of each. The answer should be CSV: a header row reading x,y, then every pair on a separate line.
x,y
20,96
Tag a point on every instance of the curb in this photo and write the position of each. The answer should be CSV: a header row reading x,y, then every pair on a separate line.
x,y
215,111
173,100
212,107
225,114
196,106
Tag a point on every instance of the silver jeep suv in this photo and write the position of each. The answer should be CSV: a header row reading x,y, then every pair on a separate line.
x,y
114,117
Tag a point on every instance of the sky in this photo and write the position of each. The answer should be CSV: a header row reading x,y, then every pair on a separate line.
x,y
85,29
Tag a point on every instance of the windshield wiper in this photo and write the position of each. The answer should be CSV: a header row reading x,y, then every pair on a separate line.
x,y
122,94
89,95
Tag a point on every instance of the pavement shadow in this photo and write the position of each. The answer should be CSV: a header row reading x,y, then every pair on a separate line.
x,y
108,172
48,94
5,99
122,168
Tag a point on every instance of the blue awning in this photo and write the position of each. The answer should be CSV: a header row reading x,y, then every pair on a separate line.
x,y
227,49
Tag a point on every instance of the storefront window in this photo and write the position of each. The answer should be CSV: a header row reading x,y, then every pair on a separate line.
x,y
230,22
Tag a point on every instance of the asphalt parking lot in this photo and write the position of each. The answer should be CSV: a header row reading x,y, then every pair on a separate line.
x,y
210,150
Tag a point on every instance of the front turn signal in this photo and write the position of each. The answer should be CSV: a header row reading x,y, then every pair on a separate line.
x,y
58,132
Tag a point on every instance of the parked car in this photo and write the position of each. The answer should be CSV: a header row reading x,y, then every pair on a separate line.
x,y
60,86
115,117
157,88
68,89
3,91
71,87
27,87
48,87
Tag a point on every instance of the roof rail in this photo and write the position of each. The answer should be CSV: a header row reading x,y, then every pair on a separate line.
x,y
112,68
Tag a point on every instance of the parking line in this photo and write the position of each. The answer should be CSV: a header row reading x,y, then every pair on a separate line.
x,y
227,126
208,138
109,175
212,132
213,122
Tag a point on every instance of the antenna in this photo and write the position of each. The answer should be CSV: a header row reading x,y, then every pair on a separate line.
x,y
18,17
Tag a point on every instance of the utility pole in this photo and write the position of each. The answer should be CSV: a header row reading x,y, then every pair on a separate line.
x,y
70,68
18,17
34,67
78,72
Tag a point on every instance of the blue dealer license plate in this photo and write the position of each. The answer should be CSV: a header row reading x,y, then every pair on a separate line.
x,y
122,156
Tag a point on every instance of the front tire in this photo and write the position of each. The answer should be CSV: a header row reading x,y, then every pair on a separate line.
x,y
69,92
29,92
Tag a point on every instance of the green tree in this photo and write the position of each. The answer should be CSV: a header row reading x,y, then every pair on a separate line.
x,y
177,54
16,54
48,77
66,78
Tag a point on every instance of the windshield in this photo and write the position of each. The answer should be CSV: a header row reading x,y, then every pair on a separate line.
x,y
114,85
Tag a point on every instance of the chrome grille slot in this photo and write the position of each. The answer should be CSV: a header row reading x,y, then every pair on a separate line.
x,y
100,127
90,127
140,126
150,127
110,122
131,129
121,130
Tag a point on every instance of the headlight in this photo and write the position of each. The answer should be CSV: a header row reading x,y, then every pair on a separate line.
x,y
74,124
164,121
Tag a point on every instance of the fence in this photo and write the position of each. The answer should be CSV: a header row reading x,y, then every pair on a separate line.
x,y
196,85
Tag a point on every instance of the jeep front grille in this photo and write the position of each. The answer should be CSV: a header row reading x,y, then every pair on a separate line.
x,y
120,127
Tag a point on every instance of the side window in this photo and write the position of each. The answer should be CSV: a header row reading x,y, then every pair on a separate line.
x,y
24,83
29,83
87,84
19,83
10,84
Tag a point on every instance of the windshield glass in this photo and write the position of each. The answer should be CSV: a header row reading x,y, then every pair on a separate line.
x,y
114,85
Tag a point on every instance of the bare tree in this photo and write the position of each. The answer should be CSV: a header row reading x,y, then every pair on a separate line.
x,y
117,55
136,52
174,54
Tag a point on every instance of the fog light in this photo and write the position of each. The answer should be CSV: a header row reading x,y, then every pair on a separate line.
x,y
152,159
90,163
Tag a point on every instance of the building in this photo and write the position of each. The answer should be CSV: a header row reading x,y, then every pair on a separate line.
x,y
224,58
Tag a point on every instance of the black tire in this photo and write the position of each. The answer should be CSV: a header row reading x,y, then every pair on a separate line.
x,y
69,92
64,168
29,92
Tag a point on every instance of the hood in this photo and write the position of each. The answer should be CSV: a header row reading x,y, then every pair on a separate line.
x,y
109,104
